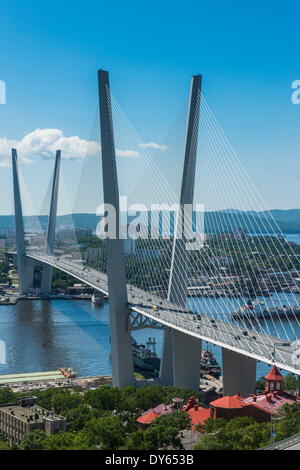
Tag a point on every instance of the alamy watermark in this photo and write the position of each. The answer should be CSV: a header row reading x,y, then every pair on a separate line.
x,y
175,221
296,94
2,92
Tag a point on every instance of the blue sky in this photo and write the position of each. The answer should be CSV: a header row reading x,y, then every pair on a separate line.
x,y
248,53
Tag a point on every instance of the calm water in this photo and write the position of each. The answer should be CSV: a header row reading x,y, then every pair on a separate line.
x,y
41,336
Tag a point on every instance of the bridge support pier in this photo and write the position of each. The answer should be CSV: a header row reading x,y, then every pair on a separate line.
x,y
166,367
46,283
239,373
186,360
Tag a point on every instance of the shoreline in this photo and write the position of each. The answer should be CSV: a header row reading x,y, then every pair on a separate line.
x,y
27,382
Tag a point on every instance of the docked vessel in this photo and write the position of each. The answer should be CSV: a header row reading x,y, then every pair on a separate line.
x,y
68,372
145,359
97,299
259,310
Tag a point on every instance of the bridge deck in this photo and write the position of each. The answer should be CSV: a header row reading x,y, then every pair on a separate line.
x,y
225,334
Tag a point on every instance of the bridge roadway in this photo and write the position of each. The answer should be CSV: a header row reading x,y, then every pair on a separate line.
x,y
256,345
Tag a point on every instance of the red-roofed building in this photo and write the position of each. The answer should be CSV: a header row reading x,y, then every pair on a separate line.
x,y
226,407
274,380
146,419
149,416
260,406
197,414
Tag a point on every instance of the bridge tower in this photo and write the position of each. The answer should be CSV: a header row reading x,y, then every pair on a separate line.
x,y
121,349
47,269
25,266
183,368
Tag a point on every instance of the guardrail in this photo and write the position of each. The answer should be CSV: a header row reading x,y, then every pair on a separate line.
x,y
284,444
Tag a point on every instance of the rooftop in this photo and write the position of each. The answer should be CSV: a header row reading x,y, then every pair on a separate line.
x,y
228,401
198,415
274,374
150,415
270,402
27,411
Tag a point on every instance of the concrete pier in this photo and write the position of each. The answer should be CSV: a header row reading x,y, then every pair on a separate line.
x,y
186,360
166,368
239,373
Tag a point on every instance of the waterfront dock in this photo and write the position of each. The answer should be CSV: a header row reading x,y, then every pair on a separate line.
x,y
33,381
30,377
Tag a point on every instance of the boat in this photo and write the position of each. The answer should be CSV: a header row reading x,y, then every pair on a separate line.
x,y
97,299
68,372
145,359
259,310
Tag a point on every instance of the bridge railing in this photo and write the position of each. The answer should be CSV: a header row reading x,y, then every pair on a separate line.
x,y
284,444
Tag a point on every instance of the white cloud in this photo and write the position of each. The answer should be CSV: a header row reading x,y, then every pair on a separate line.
x,y
153,145
127,153
43,143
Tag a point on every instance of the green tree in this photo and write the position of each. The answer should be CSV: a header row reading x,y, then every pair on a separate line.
x,y
161,434
79,416
33,440
290,382
61,441
7,395
106,433
59,400
4,446
178,419
240,433
290,422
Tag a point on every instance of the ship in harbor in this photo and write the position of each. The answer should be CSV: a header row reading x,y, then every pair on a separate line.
x,y
145,360
147,363
257,309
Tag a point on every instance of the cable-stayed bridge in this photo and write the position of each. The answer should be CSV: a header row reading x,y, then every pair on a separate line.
x,y
151,290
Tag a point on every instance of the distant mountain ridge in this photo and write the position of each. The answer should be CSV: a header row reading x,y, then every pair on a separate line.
x,y
273,221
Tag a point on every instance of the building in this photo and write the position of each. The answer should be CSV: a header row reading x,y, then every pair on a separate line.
x,y
197,414
149,416
259,406
18,419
